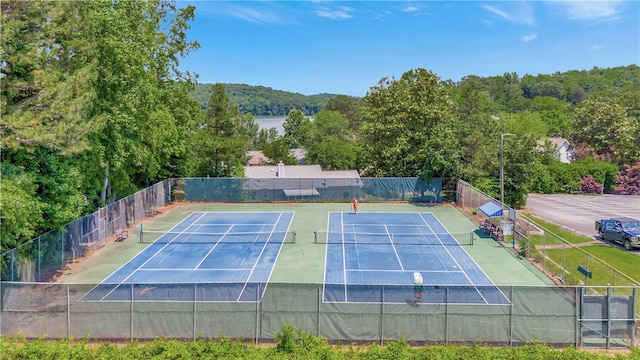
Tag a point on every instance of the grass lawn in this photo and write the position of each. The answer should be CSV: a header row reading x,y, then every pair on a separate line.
x,y
606,262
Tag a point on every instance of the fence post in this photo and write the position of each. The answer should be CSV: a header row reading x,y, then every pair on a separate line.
x,y
511,319
446,315
319,289
608,341
68,314
381,318
131,318
578,310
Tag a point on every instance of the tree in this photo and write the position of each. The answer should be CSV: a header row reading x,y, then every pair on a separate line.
x,y
20,209
349,107
327,125
628,180
278,151
333,154
519,165
266,136
556,114
604,126
86,84
220,143
475,130
398,121
296,128
47,80
591,186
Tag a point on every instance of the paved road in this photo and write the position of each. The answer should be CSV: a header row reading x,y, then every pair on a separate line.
x,y
579,212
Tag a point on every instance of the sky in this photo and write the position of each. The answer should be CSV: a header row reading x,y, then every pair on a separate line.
x,y
348,47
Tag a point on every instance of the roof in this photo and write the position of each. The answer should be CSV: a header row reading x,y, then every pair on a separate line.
x,y
297,172
491,209
256,158
558,141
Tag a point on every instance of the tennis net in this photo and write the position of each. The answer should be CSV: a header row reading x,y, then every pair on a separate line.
x,y
324,237
155,236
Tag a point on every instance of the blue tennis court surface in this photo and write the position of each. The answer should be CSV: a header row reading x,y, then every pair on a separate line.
x,y
206,257
374,257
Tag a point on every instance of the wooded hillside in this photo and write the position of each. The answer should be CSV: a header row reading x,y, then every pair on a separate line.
x,y
265,101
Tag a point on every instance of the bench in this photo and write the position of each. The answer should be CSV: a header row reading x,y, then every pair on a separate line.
x,y
122,235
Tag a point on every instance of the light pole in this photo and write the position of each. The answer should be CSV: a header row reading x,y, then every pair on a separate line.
x,y
502,135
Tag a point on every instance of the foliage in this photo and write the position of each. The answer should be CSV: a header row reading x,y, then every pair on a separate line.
x,y
306,347
604,125
568,177
590,186
296,128
628,181
265,136
286,339
334,154
265,101
350,107
278,151
90,86
541,181
222,138
519,161
20,209
476,131
399,119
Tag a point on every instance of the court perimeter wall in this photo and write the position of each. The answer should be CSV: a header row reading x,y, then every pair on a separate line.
x,y
548,315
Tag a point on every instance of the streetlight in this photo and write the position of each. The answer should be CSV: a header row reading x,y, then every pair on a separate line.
x,y
502,135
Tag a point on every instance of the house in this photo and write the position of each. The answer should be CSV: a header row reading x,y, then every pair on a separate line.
x,y
296,182
256,158
562,150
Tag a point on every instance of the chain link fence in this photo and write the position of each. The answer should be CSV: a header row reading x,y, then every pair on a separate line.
x,y
41,258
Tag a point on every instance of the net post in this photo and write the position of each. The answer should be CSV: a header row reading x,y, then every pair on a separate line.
x,y
141,233
471,237
315,237
294,237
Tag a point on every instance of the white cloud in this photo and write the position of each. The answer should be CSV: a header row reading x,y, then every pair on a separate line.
x,y
592,10
520,13
528,38
410,8
231,10
343,12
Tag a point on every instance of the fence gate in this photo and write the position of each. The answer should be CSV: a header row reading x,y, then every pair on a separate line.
x,y
607,319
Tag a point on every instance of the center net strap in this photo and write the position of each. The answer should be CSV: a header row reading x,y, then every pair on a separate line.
x,y
151,236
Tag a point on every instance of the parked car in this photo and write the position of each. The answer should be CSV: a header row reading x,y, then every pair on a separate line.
x,y
625,231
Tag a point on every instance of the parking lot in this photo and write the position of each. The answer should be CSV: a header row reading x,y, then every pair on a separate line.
x,y
578,213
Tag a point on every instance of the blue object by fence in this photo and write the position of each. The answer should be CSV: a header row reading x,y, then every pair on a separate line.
x,y
491,209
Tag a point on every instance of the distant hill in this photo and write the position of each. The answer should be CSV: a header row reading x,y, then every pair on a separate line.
x,y
570,86
265,101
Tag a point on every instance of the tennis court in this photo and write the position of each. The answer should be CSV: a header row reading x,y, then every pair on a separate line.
x,y
229,256
388,257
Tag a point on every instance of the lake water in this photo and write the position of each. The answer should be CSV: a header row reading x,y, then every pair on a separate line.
x,y
268,122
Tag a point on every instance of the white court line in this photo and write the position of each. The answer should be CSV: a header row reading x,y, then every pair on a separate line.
x,y
143,264
264,246
395,251
213,247
456,262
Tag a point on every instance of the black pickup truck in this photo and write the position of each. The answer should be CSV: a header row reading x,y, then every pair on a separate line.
x,y
625,231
